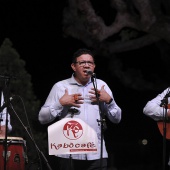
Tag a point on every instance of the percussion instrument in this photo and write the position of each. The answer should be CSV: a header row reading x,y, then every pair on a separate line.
x,y
15,156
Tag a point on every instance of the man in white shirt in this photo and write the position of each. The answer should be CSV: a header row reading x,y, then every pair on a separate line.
x,y
79,93
159,110
3,118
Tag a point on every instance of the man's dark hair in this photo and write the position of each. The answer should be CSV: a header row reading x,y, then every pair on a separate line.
x,y
79,52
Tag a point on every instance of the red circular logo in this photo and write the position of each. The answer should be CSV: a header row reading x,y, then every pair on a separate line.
x,y
72,130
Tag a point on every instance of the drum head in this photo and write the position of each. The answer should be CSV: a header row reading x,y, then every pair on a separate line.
x,y
12,138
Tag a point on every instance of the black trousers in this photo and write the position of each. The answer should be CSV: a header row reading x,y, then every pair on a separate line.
x,y
72,164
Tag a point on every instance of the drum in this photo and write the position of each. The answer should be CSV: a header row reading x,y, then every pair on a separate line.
x,y
15,156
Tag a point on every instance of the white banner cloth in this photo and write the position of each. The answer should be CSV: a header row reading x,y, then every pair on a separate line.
x,y
71,136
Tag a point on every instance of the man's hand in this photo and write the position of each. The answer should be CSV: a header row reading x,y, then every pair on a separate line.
x,y
102,94
2,131
71,100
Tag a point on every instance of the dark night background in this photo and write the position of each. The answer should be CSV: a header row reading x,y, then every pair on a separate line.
x,y
35,29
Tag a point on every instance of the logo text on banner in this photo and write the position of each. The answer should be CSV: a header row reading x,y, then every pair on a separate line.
x,y
71,136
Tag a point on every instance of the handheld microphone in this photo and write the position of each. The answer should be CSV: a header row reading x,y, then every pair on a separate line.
x,y
5,104
90,72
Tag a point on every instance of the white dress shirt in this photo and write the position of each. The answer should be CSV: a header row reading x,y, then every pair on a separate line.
x,y
88,112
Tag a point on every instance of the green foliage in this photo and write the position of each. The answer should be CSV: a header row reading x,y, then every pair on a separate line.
x,y
14,80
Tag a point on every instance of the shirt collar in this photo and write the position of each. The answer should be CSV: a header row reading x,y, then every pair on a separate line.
x,y
73,81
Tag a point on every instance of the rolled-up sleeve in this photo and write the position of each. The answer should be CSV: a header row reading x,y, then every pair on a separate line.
x,y
153,108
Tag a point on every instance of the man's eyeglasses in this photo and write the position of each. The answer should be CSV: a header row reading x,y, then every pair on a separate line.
x,y
83,63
